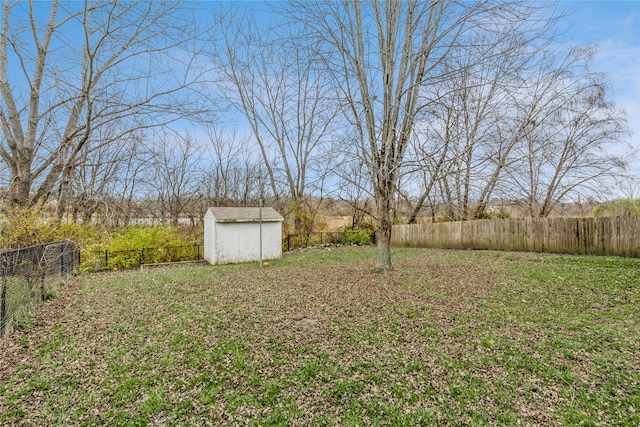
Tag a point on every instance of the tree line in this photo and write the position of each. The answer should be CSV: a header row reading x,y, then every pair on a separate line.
x,y
138,109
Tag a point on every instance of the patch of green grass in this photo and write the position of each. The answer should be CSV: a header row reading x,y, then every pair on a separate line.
x,y
447,338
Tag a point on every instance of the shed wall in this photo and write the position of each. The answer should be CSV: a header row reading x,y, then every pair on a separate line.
x,y
240,241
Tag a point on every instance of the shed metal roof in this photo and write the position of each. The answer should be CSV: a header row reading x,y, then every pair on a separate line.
x,y
244,214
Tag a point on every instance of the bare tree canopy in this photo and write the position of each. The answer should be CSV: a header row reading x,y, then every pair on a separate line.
x,y
499,128
67,69
384,55
286,100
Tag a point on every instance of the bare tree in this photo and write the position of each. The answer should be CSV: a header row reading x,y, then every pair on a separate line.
x,y
354,188
176,182
87,65
96,176
426,171
472,121
283,97
233,175
521,118
382,54
629,185
135,174
575,140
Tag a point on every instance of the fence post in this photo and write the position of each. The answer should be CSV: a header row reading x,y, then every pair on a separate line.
x,y
3,305
106,258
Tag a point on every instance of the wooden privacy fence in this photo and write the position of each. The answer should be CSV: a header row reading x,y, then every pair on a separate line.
x,y
602,236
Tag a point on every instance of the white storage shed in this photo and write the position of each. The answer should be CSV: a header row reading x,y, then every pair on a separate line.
x,y
232,235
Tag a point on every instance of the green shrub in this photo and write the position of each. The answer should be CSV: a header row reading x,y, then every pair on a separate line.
x,y
129,246
499,214
623,207
137,237
26,227
304,221
358,235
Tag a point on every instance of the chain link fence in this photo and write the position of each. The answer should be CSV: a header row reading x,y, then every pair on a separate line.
x,y
31,275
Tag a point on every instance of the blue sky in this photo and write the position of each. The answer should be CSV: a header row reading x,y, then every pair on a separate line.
x,y
613,26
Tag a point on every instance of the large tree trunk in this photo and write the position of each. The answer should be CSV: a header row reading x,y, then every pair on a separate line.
x,y
383,233
18,192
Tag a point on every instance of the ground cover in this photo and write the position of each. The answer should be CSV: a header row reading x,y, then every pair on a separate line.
x,y
448,338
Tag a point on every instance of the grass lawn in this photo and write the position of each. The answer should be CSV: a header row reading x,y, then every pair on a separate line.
x,y
448,338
